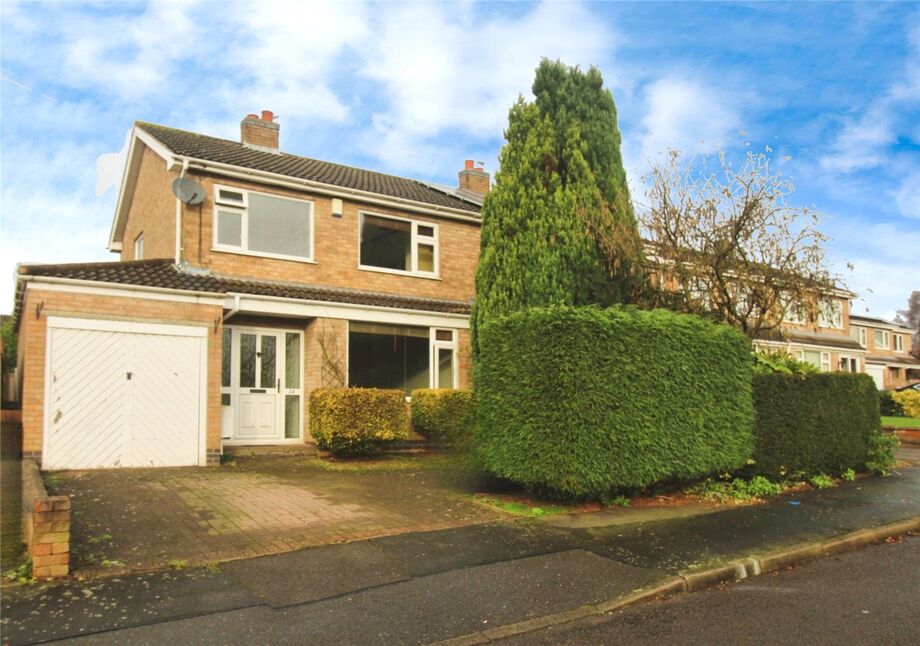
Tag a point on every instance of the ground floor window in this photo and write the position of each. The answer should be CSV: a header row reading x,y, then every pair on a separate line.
x,y
401,357
820,360
849,364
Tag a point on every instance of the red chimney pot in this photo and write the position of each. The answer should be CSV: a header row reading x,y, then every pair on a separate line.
x,y
468,164
268,115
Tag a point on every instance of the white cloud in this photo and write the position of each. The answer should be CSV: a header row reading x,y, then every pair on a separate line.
x,y
907,195
441,68
691,116
111,166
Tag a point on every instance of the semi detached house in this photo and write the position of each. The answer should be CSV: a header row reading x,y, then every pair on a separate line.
x,y
227,308
264,276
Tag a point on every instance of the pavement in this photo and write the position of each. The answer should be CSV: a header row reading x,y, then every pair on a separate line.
x,y
465,585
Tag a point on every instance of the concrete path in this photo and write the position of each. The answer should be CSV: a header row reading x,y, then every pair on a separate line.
x,y
429,586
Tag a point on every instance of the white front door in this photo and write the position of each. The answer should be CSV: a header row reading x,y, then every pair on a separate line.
x,y
264,394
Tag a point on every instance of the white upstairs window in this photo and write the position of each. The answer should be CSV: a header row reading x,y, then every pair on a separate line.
x,y
263,225
398,245
139,247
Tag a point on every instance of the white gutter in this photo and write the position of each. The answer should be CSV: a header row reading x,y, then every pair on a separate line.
x,y
179,215
234,309
229,170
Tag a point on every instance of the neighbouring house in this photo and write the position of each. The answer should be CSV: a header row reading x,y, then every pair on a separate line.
x,y
227,308
823,338
887,347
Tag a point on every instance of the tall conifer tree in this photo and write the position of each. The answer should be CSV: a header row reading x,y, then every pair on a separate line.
x,y
558,226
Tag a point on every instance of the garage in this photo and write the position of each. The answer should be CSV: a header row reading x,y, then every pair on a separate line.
x,y
878,375
124,394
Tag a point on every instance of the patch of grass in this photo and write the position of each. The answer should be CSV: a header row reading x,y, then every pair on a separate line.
x,y
518,508
737,489
821,481
111,563
849,475
178,564
395,463
22,573
901,422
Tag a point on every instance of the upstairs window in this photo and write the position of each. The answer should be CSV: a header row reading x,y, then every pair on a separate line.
x,y
898,343
830,314
882,339
863,341
262,224
398,245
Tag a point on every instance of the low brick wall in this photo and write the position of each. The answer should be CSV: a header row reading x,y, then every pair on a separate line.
x,y
45,525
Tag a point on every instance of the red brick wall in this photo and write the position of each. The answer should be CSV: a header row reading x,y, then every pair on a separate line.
x,y
33,337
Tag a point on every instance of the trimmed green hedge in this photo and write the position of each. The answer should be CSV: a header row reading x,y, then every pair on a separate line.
x,y
577,402
813,423
357,421
444,415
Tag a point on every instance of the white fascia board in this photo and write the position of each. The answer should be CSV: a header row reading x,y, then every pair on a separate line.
x,y
133,327
827,348
892,363
125,190
96,288
276,306
264,177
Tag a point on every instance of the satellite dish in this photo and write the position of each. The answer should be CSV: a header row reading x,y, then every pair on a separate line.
x,y
188,191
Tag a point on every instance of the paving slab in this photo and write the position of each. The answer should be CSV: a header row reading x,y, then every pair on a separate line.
x,y
318,573
418,611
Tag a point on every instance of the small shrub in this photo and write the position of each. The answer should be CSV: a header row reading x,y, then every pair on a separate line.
x,y
810,424
909,401
357,421
888,407
881,452
848,476
577,403
821,481
737,489
444,416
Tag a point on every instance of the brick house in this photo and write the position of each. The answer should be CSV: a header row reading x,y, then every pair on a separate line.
x,y
226,308
887,347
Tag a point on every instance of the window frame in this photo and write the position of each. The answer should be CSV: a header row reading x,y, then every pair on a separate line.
x,y
139,246
435,346
863,337
414,241
898,342
886,340
243,209
826,307
850,361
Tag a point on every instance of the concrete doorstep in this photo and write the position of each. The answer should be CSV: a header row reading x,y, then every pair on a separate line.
x,y
696,580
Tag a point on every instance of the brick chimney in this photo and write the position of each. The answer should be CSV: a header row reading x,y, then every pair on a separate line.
x,y
474,178
260,133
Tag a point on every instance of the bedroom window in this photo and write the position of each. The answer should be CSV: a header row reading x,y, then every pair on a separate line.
x,y
398,245
263,225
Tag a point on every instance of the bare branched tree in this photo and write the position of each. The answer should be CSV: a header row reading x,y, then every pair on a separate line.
x,y
727,242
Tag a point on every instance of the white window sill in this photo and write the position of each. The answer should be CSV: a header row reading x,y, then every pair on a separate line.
x,y
258,254
397,272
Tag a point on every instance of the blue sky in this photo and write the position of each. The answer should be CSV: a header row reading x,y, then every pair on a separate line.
x,y
414,89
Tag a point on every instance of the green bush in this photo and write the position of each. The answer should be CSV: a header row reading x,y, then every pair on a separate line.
x,y
888,406
811,424
443,415
908,401
579,402
770,362
882,447
357,421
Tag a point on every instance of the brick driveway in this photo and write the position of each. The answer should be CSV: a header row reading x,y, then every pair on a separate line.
x,y
146,518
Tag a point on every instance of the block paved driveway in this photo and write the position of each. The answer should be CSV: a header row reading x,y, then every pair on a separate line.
x,y
134,519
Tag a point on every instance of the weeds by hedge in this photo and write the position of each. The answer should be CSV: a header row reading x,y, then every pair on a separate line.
x,y
444,416
357,421
577,402
813,424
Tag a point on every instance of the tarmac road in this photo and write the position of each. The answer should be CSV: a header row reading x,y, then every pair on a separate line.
x,y
867,597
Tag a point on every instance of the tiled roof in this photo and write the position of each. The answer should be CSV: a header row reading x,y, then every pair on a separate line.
x,y
224,151
810,338
875,320
163,273
902,359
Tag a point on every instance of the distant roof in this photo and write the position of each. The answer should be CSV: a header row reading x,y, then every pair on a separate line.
x,y
225,151
879,321
163,273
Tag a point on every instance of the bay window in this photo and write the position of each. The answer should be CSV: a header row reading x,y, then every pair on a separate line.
x,y
401,357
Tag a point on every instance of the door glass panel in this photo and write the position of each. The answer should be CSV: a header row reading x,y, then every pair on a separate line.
x,y
247,361
268,362
445,368
291,417
291,360
225,353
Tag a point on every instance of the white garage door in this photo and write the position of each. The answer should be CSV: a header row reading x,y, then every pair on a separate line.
x,y
124,394
878,374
